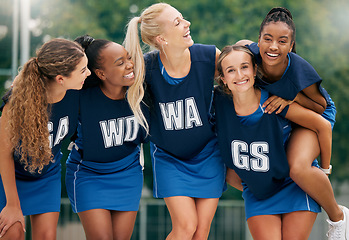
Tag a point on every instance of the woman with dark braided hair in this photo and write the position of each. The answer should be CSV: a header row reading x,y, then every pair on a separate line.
x,y
105,160
291,79
37,116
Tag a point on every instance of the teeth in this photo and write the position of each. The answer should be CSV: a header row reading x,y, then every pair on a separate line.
x,y
130,75
272,54
240,83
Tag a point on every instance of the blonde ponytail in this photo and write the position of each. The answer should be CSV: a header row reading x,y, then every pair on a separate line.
x,y
135,92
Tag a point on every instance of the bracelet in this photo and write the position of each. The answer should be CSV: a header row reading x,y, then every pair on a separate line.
x,y
327,171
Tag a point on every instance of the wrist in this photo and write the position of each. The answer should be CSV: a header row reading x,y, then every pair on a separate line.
x,y
327,171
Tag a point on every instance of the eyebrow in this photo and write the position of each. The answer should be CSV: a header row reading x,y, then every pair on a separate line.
x,y
244,63
83,69
267,34
118,59
181,16
228,67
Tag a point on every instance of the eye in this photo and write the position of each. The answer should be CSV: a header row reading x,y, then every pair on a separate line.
x,y
231,70
245,66
120,63
177,22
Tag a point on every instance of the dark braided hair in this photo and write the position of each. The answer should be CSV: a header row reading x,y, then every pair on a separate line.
x,y
280,14
93,48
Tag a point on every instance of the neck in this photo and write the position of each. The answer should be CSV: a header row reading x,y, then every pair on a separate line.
x,y
55,92
176,62
275,72
247,102
114,93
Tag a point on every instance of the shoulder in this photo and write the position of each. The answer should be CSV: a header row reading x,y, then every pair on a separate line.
x,y
202,52
5,99
150,58
303,68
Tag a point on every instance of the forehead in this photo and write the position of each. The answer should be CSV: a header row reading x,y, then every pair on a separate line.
x,y
236,58
169,14
277,28
113,50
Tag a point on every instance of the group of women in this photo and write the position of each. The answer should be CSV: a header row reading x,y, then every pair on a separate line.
x,y
260,130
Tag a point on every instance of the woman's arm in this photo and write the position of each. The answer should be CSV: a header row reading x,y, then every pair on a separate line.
x,y
12,212
218,52
233,179
312,99
315,122
244,42
275,103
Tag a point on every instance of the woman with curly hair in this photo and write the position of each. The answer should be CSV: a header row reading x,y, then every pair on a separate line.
x,y
38,115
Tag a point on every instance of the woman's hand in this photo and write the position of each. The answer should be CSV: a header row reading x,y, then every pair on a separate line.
x,y
9,216
275,103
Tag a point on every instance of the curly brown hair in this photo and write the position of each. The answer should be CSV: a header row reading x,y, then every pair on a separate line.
x,y
28,107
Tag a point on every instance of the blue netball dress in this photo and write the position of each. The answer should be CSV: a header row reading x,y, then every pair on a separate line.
x,y
256,153
103,170
298,75
185,156
41,192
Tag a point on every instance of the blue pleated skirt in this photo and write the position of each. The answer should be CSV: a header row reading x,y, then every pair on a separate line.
x,y
200,177
112,186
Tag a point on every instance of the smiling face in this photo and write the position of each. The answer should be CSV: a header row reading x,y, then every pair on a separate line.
x,y
176,30
275,42
238,71
117,67
77,78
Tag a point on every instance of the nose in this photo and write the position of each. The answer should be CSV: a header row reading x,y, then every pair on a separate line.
x,y
129,64
187,22
88,72
273,45
240,74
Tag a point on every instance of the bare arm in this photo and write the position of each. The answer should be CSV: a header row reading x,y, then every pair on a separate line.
x,y
244,42
274,103
218,52
233,179
315,122
12,212
312,99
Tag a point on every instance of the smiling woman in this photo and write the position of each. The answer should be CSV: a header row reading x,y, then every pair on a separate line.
x,y
188,171
39,113
105,159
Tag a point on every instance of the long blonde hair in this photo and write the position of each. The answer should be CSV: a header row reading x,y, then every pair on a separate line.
x,y
28,108
150,29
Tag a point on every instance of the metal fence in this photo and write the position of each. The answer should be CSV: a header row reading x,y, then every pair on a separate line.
x,y
153,222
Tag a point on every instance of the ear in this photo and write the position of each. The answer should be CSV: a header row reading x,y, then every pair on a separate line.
x,y
259,39
100,74
292,44
222,78
160,40
255,70
59,79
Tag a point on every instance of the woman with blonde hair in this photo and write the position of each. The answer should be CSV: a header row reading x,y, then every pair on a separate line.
x,y
188,171
38,115
105,160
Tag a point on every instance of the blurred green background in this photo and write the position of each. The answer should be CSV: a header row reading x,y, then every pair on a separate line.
x,y
322,39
